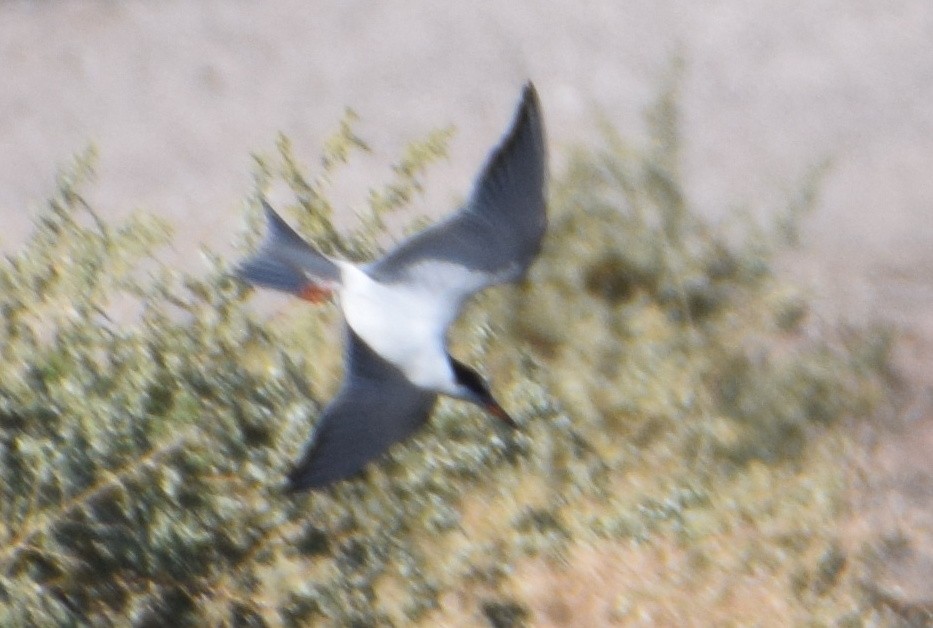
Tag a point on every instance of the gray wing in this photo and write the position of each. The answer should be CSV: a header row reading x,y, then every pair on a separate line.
x,y
375,408
285,261
496,235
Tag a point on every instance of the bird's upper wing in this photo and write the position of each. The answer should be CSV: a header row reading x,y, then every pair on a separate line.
x,y
375,408
496,235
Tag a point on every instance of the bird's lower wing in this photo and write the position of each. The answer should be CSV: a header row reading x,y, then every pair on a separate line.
x,y
376,407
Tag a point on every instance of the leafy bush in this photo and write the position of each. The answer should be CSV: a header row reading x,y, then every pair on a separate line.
x,y
649,358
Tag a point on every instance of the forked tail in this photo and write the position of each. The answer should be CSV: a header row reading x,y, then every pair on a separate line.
x,y
287,263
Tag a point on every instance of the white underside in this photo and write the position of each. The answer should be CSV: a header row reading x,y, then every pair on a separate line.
x,y
406,323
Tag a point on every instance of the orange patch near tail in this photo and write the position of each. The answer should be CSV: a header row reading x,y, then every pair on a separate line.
x,y
315,293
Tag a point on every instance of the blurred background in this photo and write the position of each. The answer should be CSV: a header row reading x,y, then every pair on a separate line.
x,y
176,97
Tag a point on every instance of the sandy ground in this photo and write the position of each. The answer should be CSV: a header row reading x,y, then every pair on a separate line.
x,y
176,95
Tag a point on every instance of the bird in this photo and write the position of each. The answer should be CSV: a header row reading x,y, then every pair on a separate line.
x,y
397,309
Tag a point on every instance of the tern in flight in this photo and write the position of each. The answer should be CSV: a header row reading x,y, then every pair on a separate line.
x,y
397,309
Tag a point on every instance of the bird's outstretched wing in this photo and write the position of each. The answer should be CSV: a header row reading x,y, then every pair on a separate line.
x,y
496,235
285,261
375,408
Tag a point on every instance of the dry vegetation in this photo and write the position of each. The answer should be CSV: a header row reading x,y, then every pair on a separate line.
x,y
683,456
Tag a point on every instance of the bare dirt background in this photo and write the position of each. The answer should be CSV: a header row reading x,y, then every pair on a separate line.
x,y
176,95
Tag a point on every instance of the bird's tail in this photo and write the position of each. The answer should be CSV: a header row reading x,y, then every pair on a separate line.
x,y
287,263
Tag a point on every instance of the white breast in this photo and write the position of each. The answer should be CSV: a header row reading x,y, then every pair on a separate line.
x,y
404,323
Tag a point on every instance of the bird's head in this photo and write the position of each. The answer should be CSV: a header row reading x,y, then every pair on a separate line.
x,y
470,386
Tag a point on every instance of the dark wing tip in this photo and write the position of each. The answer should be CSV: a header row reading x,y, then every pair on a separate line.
x,y
323,462
308,476
523,147
299,481
514,178
291,487
530,98
528,114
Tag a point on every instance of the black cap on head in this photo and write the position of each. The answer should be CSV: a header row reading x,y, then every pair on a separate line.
x,y
479,392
